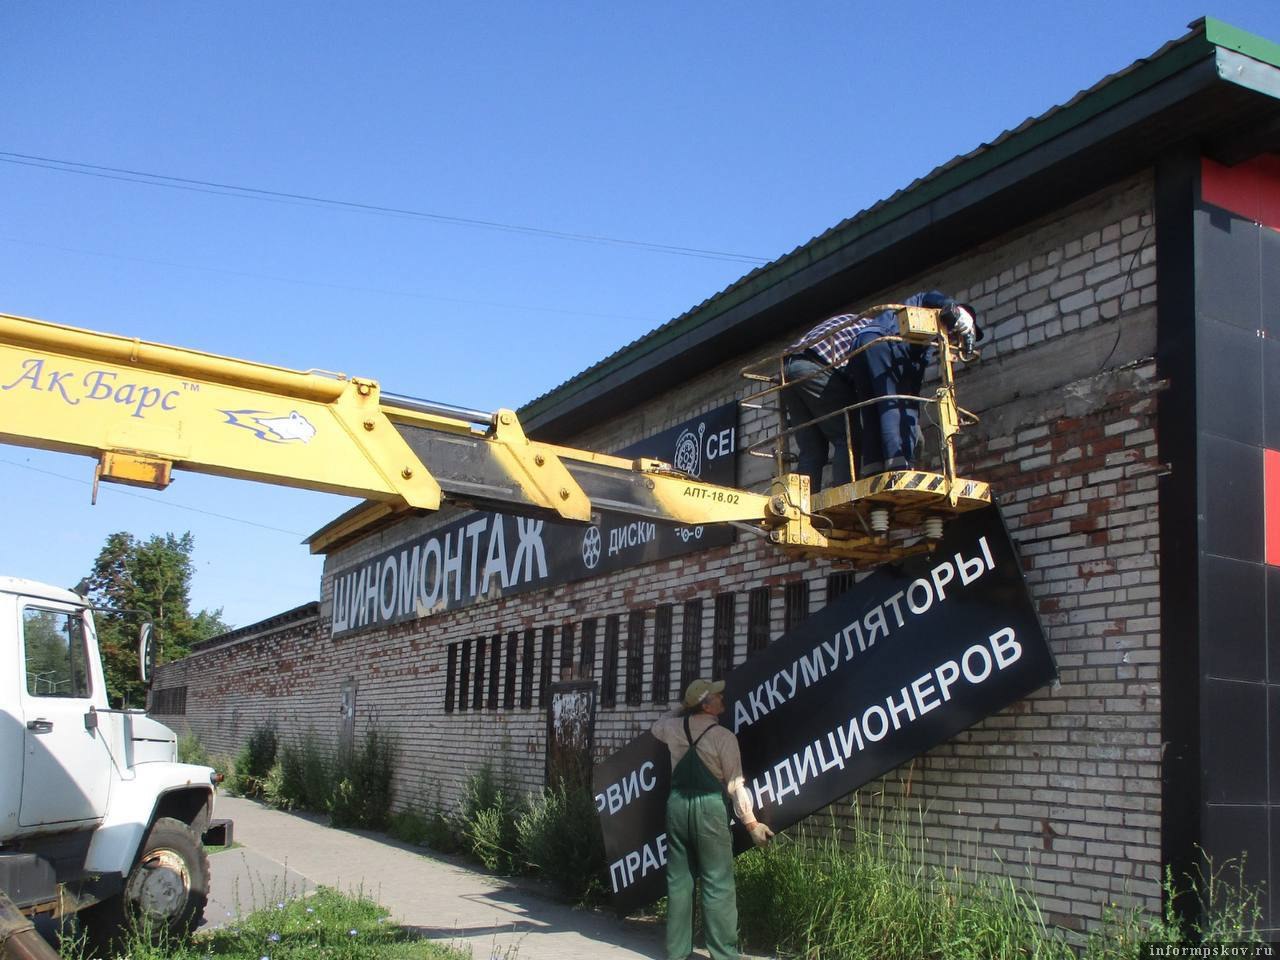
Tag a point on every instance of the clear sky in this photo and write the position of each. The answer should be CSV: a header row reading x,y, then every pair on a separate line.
x,y
741,128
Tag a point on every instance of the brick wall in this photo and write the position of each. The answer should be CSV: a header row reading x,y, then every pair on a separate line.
x,y
1064,786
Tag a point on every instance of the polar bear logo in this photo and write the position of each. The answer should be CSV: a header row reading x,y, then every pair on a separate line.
x,y
293,428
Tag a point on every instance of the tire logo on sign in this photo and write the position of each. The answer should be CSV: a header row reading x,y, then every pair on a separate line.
x,y
688,456
591,547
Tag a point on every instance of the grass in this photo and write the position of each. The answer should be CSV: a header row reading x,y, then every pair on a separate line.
x,y
427,827
325,926
822,899
875,898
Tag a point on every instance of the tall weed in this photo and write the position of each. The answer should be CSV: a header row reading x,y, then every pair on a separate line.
x,y
1224,910
488,819
428,825
363,783
254,763
559,837
306,775
191,750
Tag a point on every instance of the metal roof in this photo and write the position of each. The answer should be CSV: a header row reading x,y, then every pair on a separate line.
x,y
306,611
1200,85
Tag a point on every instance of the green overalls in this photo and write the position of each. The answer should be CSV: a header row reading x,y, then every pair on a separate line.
x,y
699,845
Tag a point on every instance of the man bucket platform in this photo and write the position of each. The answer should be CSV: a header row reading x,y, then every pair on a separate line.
x,y
705,763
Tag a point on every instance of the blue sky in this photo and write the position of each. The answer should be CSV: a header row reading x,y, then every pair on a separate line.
x,y
742,128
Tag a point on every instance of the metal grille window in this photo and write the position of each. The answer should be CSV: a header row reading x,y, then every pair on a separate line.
x,y
609,683
526,671
477,691
495,669
587,652
172,702
757,620
464,684
635,658
690,644
722,636
838,583
566,652
796,604
544,675
662,653
451,678
509,691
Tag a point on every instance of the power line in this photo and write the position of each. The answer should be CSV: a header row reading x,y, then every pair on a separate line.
x,y
163,503
278,196
321,283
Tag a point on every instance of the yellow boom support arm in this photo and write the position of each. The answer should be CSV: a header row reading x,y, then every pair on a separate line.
x,y
143,409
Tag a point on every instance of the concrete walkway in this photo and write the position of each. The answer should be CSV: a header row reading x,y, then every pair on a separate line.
x,y
286,855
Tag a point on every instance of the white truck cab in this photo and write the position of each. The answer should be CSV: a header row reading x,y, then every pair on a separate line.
x,y
96,814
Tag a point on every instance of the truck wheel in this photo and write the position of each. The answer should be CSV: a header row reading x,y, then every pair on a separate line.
x,y
167,889
170,883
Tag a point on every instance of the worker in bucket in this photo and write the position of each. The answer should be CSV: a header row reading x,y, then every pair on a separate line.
x,y
844,360
816,385
705,763
889,434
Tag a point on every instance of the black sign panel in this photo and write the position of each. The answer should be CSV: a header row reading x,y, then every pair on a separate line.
x,y
483,556
904,661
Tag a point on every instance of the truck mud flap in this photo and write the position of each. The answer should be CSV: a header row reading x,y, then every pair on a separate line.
x,y
27,879
218,834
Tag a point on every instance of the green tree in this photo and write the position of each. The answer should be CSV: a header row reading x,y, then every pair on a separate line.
x,y
134,580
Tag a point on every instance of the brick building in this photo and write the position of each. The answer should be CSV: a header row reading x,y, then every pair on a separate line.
x,y
1122,250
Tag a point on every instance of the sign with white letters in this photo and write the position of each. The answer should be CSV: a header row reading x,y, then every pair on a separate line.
x,y
902,662
483,556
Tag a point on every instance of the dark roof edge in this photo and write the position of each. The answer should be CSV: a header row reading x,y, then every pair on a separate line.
x,y
1199,44
306,611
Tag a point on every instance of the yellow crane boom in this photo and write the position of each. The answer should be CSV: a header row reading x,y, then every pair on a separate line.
x,y
143,409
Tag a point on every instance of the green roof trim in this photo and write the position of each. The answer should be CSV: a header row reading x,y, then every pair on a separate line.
x,y
1205,36
1222,34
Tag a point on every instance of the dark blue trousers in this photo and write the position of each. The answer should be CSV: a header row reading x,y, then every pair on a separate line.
x,y
889,427
817,396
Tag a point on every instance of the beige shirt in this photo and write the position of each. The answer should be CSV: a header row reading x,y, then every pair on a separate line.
x,y
718,751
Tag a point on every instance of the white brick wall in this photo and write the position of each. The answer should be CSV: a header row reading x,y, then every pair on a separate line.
x,y
1064,788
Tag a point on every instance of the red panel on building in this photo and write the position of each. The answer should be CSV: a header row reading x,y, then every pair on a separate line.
x,y
1250,189
1271,506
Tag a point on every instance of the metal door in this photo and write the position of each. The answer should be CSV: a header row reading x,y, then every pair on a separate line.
x,y
571,723
66,764
347,716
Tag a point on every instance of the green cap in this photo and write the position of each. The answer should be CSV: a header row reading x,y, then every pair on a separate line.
x,y
699,690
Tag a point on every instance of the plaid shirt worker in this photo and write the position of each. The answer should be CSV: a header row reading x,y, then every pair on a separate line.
x,y
832,339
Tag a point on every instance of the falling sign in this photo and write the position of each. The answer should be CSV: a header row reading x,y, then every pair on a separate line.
x,y
900,663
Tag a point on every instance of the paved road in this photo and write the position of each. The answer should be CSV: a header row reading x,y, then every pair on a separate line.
x,y
284,855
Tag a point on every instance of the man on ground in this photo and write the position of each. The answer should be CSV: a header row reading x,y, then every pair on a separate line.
x,y
705,763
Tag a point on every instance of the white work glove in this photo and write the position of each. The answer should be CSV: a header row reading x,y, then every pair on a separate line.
x,y
963,326
962,323
760,832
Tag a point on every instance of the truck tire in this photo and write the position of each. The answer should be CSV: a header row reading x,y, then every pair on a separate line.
x,y
166,890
